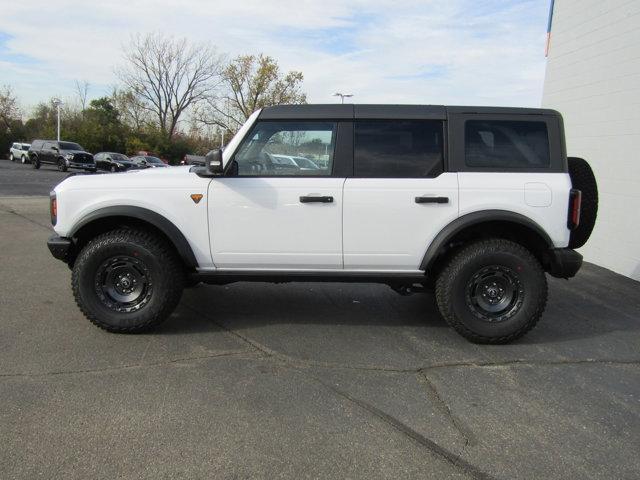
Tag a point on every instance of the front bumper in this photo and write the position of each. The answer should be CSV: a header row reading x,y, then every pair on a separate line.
x,y
59,247
563,262
91,167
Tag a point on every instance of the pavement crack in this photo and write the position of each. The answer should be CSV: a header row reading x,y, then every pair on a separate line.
x,y
24,217
466,433
296,362
125,367
406,430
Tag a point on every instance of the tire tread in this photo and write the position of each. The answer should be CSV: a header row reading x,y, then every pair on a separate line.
x,y
444,290
170,263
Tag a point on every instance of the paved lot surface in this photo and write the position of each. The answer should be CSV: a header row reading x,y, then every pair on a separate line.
x,y
19,179
309,381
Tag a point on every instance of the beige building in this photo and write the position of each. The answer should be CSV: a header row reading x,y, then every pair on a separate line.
x,y
593,79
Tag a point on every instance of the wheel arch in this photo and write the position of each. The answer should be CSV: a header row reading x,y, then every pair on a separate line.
x,y
107,218
487,223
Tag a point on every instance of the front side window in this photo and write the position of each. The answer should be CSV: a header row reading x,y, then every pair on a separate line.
x,y
506,144
287,149
398,148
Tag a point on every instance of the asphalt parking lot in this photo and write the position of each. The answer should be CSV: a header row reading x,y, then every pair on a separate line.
x,y
305,380
23,179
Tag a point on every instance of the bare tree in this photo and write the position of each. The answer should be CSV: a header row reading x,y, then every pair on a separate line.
x,y
249,83
169,75
8,107
132,108
82,90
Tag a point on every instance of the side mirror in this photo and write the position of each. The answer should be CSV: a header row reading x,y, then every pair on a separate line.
x,y
55,148
213,162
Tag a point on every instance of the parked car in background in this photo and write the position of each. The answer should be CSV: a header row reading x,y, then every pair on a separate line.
x,y
147,161
193,160
304,163
19,152
64,155
113,162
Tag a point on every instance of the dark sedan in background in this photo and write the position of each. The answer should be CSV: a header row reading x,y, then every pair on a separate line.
x,y
114,162
147,161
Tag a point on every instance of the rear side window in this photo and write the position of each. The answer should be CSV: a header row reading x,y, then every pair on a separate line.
x,y
506,144
398,148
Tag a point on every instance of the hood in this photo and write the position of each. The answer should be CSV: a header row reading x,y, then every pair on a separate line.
x,y
132,178
74,151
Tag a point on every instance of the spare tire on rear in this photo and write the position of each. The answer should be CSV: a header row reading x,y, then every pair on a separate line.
x,y
583,179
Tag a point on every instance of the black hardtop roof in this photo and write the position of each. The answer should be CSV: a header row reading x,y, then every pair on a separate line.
x,y
372,111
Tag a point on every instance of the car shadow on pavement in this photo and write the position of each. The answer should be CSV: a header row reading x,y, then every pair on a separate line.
x,y
596,303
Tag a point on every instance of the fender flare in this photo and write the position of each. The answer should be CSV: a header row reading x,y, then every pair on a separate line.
x,y
475,218
172,232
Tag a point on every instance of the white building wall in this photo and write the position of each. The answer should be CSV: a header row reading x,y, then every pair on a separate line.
x,y
593,79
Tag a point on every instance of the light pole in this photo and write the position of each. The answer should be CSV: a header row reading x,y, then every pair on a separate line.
x,y
57,102
343,95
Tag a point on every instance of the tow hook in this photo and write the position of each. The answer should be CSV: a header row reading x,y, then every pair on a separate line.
x,y
406,290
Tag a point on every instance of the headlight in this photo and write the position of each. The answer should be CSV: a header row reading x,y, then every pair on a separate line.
x,y
119,165
69,156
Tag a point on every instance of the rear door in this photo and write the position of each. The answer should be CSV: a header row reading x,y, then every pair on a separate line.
x,y
47,154
400,197
267,212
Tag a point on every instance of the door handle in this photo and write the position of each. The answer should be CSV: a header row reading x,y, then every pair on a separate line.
x,y
316,199
432,199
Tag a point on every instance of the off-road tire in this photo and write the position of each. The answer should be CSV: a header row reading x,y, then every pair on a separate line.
x,y
165,272
583,179
452,287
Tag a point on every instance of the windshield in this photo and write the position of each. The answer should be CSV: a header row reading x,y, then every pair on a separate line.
x,y
119,157
25,147
153,160
70,146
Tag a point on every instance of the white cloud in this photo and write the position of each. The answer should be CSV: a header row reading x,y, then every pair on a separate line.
x,y
405,51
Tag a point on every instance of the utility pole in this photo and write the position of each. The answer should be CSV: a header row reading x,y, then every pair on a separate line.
x,y
343,95
57,102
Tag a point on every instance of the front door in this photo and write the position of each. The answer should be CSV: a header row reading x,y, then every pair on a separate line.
x,y
279,206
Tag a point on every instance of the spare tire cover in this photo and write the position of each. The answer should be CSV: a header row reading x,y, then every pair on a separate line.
x,y
583,179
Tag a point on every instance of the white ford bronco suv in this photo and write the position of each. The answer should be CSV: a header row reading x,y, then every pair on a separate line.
x,y
474,202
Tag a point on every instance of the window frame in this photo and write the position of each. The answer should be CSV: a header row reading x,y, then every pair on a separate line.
x,y
457,142
337,167
444,149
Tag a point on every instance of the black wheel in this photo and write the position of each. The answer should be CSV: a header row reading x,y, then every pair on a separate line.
x,y
127,281
583,179
62,165
36,163
23,159
114,168
492,291
11,157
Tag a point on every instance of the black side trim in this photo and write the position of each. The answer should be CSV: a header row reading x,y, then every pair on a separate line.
x,y
476,218
223,277
161,223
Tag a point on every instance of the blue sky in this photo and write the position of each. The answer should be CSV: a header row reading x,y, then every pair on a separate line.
x,y
481,52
